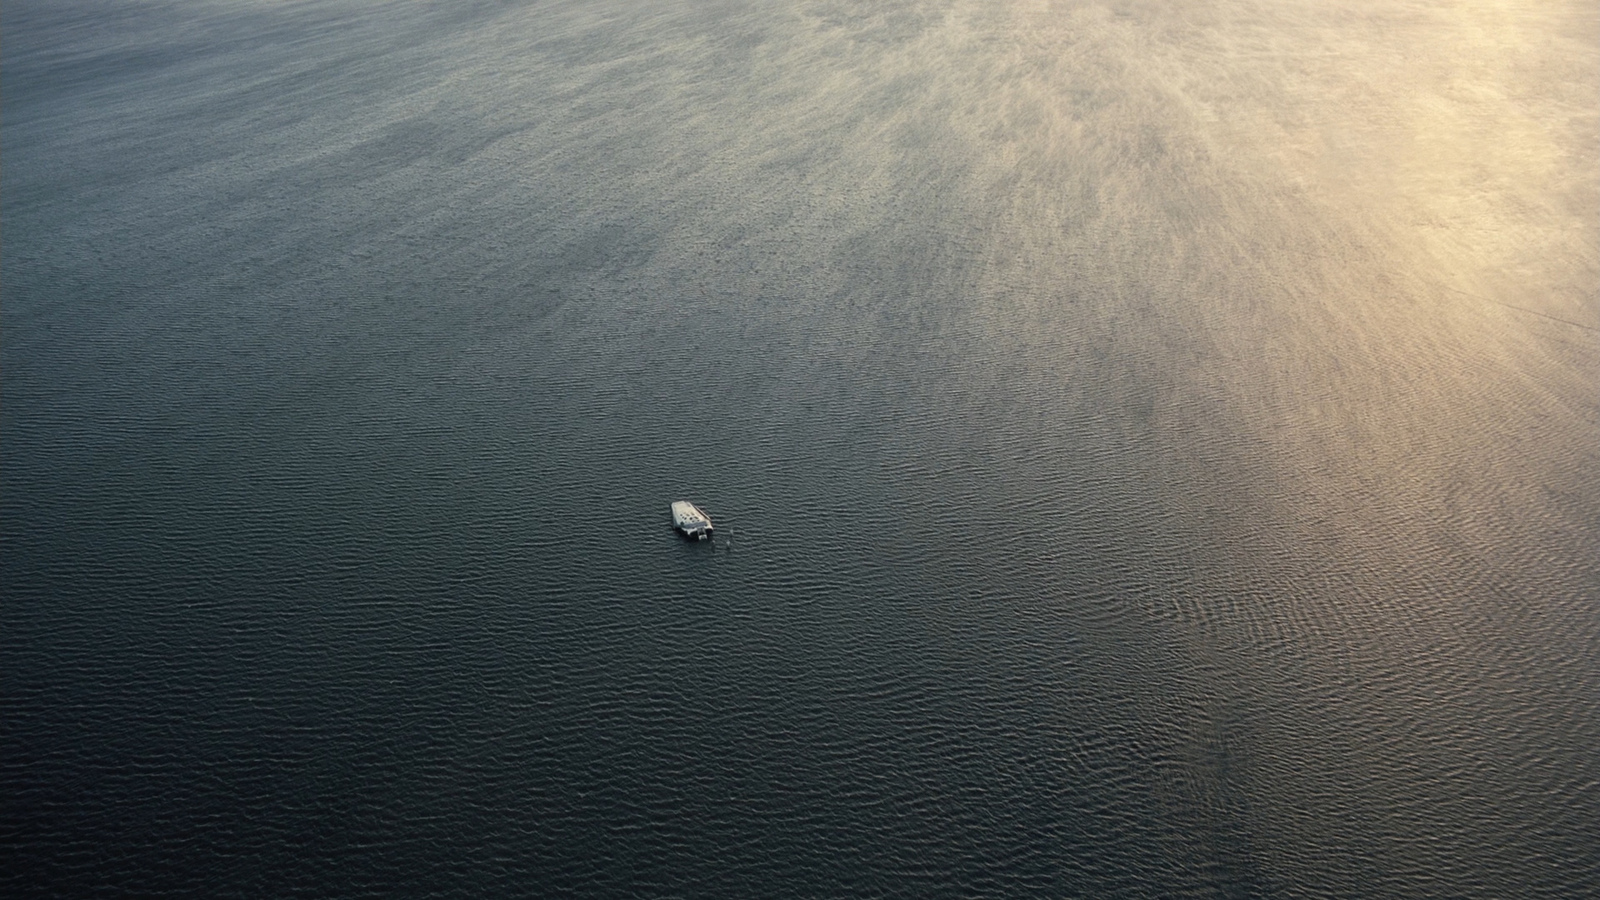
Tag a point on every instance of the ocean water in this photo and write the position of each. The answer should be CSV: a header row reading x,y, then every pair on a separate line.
x,y
1153,447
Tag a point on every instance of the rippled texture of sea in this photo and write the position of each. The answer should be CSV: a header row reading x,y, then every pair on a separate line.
x,y
1154,448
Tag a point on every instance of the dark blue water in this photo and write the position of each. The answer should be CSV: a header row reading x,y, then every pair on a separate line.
x,y
1153,448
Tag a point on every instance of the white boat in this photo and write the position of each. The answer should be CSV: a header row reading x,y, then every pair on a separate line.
x,y
687,518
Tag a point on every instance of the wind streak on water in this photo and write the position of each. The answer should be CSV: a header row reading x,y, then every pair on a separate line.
x,y
1155,442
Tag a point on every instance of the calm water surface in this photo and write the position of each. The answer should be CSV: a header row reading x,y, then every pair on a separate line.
x,y
1153,447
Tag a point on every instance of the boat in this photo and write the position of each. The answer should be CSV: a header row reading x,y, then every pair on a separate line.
x,y
687,518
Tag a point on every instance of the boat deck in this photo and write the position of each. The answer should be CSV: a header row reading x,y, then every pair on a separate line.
x,y
687,518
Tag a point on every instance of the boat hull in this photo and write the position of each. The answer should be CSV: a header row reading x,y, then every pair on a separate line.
x,y
690,521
